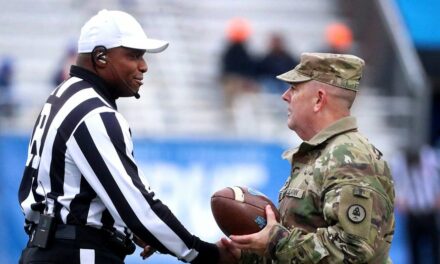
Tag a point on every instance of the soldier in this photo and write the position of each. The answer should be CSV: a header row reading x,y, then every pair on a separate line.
x,y
337,204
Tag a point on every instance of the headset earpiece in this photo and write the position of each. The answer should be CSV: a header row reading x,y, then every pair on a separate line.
x,y
101,57
99,54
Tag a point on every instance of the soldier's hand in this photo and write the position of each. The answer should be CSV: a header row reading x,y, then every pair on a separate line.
x,y
257,242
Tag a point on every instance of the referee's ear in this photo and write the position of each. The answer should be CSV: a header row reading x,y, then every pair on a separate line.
x,y
99,57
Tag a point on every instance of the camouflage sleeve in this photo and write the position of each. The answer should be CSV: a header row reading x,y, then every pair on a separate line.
x,y
357,206
295,246
250,258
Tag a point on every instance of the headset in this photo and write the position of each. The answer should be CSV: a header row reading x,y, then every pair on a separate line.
x,y
102,57
99,53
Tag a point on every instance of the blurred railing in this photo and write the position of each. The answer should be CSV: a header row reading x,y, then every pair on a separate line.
x,y
393,66
413,77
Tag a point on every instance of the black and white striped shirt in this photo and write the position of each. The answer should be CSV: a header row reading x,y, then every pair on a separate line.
x,y
417,178
81,157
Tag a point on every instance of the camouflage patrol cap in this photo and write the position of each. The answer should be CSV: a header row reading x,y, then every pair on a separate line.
x,y
341,70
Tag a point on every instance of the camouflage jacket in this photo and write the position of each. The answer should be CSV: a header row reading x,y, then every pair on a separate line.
x,y
337,204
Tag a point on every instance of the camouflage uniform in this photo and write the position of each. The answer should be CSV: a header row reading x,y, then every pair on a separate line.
x,y
337,204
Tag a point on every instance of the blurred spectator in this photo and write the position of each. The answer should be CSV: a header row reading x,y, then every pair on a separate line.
x,y
6,76
237,65
128,4
63,68
277,60
417,181
339,38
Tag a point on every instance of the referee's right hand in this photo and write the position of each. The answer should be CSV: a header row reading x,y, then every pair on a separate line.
x,y
148,250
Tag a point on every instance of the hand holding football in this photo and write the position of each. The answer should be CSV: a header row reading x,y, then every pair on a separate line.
x,y
240,210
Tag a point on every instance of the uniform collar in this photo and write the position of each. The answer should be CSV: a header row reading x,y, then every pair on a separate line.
x,y
338,127
97,83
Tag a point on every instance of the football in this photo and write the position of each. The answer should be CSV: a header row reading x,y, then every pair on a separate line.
x,y
240,210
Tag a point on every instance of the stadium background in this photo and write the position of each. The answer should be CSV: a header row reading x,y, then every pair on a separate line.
x,y
184,141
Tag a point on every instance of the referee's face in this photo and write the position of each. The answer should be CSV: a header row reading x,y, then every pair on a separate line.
x,y
125,70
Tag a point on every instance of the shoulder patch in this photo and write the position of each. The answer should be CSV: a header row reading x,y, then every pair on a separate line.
x,y
356,213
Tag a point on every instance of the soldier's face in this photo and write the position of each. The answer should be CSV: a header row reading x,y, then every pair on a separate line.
x,y
300,107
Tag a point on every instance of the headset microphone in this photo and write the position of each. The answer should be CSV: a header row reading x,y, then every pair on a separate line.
x,y
136,94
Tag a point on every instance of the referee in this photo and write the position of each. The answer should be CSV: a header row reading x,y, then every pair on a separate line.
x,y
83,197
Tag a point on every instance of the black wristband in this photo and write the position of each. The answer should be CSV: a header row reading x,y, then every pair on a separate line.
x,y
208,252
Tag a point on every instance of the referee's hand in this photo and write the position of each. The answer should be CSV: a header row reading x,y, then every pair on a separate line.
x,y
148,250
